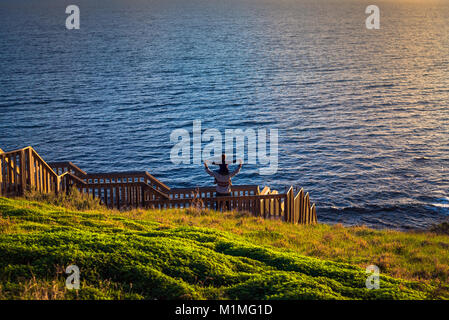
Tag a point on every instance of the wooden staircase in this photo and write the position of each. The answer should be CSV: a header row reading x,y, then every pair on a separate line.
x,y
24,169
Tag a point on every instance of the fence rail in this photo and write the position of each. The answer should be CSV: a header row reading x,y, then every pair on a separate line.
x,y
258,205
24,169
206,191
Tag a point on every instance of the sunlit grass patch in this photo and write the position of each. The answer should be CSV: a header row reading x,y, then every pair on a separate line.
x,y
174,254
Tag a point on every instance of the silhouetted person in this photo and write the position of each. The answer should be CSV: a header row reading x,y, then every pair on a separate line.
x,y
223,177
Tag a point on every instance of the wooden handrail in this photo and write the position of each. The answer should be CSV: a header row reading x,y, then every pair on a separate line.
x,y
71,175
109,175
258,205
211,190
154,180
125,184
15,151
265,190
42,160
67,164
228,198
127,174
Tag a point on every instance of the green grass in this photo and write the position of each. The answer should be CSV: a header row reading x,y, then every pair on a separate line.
x,y
186,254
420,256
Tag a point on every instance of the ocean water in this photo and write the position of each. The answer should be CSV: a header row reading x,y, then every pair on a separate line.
x,y
363,115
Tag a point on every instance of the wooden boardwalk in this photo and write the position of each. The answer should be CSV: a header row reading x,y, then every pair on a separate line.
x,y
24,169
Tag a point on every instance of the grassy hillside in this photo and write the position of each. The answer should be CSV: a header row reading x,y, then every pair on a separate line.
x,y
191,255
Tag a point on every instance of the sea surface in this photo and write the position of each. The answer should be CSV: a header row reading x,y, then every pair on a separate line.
x,y
362,115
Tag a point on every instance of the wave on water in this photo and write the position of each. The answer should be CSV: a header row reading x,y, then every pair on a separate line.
x,y
442,203
417,216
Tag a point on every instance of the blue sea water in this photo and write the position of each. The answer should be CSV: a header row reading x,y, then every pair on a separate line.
x,y
363,115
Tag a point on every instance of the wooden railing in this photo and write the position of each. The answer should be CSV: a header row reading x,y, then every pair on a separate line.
x,y
258,205
110,177
117,189
267,204
24,169
121,195
62,167
209,192
127,177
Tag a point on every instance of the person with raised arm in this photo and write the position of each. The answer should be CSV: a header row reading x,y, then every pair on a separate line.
x,y
223,176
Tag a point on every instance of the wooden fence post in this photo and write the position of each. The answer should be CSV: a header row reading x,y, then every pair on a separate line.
x,y
9,173
288,204
2,163
314,219
23,172
292,206
307,208
301,206
30,169
296,204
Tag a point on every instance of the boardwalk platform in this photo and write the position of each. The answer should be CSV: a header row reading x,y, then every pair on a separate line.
x,y
24,169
